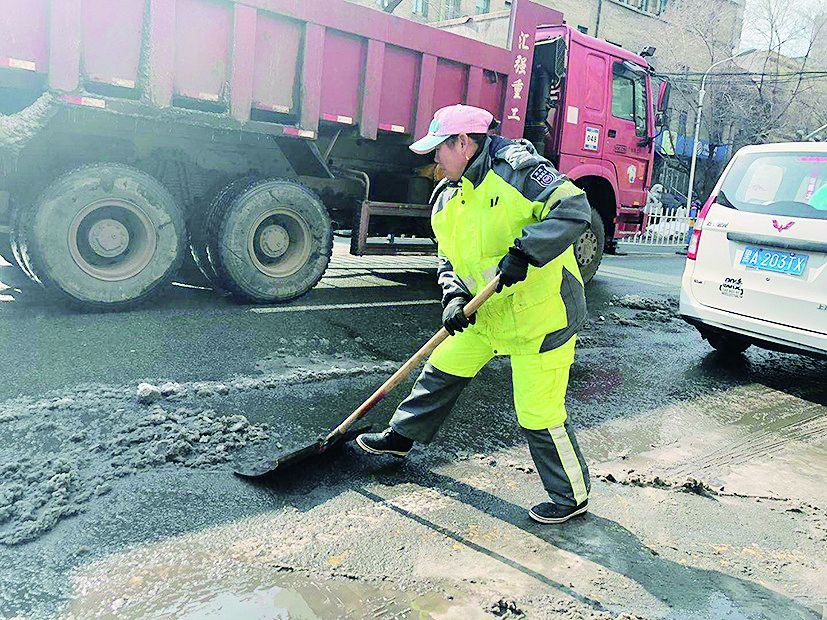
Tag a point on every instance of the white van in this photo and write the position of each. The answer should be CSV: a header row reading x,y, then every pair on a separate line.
x,y
756,269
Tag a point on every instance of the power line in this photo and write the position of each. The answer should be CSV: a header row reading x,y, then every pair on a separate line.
x,y
753,78
766,83
740,74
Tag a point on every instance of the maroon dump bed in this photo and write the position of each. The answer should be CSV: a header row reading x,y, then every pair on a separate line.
x,y
293,63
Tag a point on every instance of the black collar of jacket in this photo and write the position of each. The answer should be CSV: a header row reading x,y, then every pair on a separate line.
x,y
482,161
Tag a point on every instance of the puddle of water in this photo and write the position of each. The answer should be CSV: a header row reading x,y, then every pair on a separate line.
x,y
202,576
242,592
709,424
262,604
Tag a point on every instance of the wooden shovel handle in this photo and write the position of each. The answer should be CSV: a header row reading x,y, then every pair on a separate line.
x,y
407,368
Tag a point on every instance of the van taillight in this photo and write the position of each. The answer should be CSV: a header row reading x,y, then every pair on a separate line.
x,y
695,240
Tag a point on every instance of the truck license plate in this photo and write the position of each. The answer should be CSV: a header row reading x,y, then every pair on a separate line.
x,y
773,260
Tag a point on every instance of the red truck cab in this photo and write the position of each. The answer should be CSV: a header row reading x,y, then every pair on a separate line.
x,y
591,113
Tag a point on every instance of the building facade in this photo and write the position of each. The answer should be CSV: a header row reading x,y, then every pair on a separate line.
x,y
689,35
631,24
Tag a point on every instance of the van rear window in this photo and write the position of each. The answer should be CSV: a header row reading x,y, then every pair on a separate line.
x,y
789,184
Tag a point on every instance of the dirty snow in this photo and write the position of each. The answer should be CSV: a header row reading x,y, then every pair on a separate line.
x,y
651,311
17,129
638,479
566,609
667,307
62,451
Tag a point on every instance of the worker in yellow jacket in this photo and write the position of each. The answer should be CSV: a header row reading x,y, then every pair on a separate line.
x,y
504,210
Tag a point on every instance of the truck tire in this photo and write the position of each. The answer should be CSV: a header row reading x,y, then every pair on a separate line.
x,y
269,240
18,243
199,233
589,247
105,236
6,252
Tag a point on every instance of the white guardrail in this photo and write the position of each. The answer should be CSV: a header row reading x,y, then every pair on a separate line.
x,y
664,227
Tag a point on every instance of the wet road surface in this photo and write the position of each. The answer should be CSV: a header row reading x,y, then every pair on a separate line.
x,y
130,521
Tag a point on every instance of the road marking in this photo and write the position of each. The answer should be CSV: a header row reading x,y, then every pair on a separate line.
x,y
671,280
378,304
612,276
632,275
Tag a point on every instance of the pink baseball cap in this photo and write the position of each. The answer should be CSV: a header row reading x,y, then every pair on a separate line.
x,y
450,121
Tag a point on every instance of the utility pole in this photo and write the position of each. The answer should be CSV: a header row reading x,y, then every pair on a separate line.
x,y
811,134
698,114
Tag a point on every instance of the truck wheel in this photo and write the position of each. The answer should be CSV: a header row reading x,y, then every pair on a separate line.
x,y
269,241
199,232
17,240
6,252
105,235
589,247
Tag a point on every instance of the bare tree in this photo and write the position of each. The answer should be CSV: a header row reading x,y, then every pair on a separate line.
x,y
777,93
787,89
696,34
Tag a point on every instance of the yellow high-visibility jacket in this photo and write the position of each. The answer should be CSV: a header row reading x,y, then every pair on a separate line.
x,y
511,196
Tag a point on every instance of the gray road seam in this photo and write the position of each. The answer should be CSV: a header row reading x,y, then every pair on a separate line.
x,y
378,304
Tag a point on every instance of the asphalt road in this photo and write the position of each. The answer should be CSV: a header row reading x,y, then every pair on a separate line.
x,y
189,333
645,390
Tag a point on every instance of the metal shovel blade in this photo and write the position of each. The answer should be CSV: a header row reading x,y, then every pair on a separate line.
x,y
252,468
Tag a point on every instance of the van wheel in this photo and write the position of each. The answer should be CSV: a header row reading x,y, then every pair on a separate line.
x,y
589,247
269,240
727,344
105,235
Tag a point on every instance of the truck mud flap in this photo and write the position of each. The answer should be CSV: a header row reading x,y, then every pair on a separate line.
x,y
304,157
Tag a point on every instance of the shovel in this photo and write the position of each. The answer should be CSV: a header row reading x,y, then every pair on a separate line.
x,y
343,432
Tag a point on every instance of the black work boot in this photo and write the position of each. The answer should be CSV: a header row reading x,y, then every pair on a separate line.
x,y
386,442
548,512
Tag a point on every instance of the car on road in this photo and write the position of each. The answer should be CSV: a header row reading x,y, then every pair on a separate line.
x,y
756,269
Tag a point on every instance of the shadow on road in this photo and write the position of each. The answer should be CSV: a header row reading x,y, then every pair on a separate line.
x,y
698,592
689,591
797,375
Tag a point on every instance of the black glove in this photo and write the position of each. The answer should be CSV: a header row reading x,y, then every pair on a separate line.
x,y
513,268
453,317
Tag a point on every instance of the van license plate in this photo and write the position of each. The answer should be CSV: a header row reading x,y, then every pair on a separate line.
x,y
773,260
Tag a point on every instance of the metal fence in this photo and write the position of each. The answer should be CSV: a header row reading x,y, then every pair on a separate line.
x,y
664,227
674,181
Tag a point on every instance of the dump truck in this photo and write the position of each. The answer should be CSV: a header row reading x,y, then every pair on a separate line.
x,y
241,136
